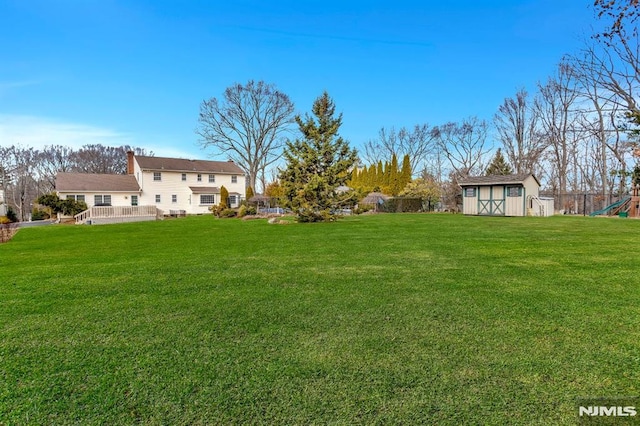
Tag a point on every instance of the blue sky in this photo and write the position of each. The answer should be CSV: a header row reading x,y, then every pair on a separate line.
x,y
135,72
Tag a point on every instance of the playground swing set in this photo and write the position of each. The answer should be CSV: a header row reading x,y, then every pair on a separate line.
x,y
628,206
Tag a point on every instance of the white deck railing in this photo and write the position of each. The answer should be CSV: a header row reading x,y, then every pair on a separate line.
x,y
115,212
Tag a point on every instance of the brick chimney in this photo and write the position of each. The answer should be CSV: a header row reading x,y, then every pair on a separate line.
x,y
130,162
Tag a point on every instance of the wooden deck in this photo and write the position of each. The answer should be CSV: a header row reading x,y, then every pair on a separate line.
x,y
118,214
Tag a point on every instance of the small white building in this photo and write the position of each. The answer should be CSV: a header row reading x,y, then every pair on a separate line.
x,y
510,195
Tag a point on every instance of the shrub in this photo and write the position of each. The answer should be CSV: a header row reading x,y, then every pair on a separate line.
x,y
307,215
71,207
11,215
37,214
215,210
242,211
402,204
228,213
363,208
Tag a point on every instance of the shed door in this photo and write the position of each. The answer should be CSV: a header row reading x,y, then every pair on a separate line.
x,y
491,200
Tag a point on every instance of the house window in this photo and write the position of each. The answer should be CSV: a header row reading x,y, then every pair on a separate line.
x,y
232,200
514,191
157,198
469,192
234,179
174,198
199,177
102,200
134,200
76,197
157,176
207,199
212,178
184,177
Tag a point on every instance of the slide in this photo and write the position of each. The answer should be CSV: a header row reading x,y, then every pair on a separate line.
x,y
607,209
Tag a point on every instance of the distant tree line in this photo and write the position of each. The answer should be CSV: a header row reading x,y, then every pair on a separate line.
x,y
27,173
387,178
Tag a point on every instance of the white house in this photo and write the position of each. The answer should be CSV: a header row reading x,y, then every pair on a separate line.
x,y
189,185
167,184
510,195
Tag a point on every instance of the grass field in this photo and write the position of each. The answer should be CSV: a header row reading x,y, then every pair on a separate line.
x,y
389,319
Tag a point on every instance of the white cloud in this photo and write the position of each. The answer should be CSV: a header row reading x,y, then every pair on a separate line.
x,y
37,132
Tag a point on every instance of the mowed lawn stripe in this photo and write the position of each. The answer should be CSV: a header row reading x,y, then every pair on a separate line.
x,y
374,319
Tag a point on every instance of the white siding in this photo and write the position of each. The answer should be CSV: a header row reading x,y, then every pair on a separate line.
x,y
117,198
171,183
531,187
514,205
469,204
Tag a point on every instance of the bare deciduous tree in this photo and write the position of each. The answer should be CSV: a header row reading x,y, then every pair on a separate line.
x,y
53,159
464,145
618,66
248,124
601,118
98,158
622,14
555,106
20,164
517,126
417,143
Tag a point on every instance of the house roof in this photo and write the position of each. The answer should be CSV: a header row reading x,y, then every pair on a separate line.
x,y
94,182
184,165
205,189
496,179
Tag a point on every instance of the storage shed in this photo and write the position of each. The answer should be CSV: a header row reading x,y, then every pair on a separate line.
x,y
509,195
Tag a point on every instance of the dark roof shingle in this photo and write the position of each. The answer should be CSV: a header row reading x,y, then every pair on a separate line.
x,y
93,182
204,189
496,179
184,165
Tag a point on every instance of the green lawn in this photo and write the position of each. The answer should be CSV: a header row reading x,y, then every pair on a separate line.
x,y
390,319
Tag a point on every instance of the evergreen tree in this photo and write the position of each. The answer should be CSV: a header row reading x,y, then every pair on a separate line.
x,y
394,177
380,180
405,173
224,196
372,180
498,166
317,163
355,176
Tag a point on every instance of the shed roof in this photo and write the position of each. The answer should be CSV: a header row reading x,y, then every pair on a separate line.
x,y
96,182
496,179
184,165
